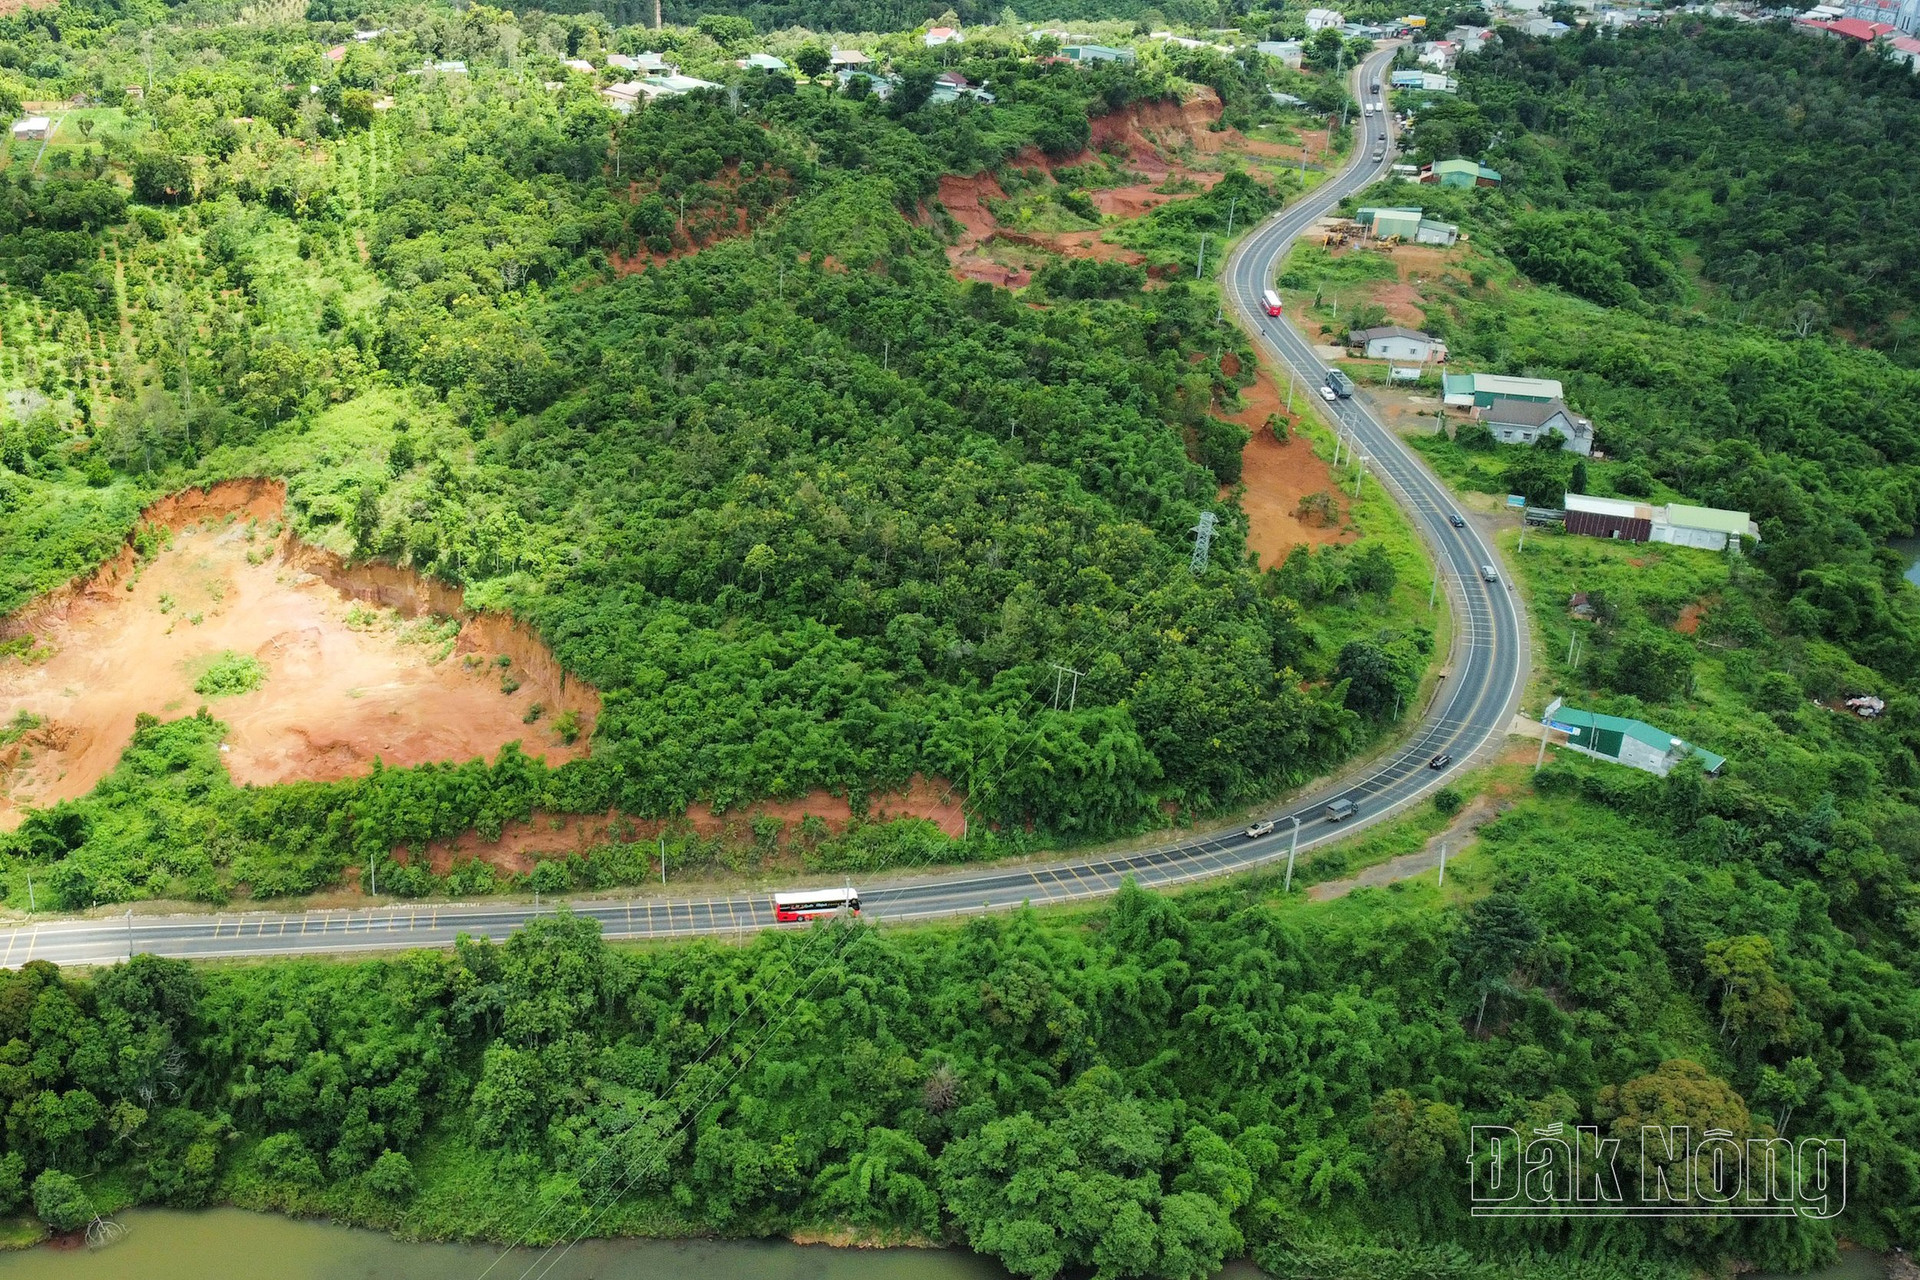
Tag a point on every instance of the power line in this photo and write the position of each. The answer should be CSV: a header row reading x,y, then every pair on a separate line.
x,y
1202,543
713,1043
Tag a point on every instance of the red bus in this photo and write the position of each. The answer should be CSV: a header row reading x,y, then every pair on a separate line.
x,y
811,904
1272,300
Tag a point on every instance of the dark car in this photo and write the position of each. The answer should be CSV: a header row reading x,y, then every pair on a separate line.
x,y
1440,761
1456,522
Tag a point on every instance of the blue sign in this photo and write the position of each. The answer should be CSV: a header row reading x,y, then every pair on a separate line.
x,y
1516,500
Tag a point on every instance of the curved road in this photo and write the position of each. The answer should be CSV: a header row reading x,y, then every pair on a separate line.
x,y
1474,704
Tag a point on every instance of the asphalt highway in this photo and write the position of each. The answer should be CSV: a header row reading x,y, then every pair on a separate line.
x,y
1468,715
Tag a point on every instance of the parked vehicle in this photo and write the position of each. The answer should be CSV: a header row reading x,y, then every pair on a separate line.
x,y
1440,761
1340,810
1259,829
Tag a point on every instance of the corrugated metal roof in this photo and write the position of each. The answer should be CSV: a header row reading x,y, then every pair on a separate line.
x,y
1619,508
1501,385
1731,522
1638,730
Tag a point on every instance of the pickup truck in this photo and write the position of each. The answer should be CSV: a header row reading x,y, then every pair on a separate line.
x,y
1340,810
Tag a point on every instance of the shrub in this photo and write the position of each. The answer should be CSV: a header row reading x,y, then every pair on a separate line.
x,y
1448,801
61,1201
230,673
391,1175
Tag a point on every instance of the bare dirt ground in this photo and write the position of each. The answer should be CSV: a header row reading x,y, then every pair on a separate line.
x,y
1278,475
134,638
1460,833
1159,140
522,843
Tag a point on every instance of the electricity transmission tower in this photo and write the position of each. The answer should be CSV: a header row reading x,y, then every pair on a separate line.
x,y
1060,674
1202,542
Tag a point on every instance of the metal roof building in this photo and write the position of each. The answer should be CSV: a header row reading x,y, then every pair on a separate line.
x,y
1483,389
1634,743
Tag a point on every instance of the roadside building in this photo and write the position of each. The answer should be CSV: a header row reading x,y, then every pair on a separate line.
x,y
1439,54
1324,20
1393,342
943,35
1544,28
848,58
1676,524
1708,528
1288,51
1526,421
1620,519
1095,53
762,62
1459,172
1466,390
1634,743
1390,223
32,129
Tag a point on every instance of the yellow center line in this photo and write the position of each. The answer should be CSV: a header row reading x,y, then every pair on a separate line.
x,y
731,917
13,936
32,938
1040,884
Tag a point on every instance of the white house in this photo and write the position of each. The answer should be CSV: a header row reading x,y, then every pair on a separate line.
x,y
1439,54
1392,342
1324,19
943,35
581,65
1525,421
32,129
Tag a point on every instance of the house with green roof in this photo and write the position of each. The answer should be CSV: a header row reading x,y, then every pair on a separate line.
x,y
1634,743
1459,172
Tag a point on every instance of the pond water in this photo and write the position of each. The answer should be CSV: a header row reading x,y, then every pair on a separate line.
x,y
232,1244
1909,549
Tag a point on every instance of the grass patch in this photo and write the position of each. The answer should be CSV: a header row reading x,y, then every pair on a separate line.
x,y
230,674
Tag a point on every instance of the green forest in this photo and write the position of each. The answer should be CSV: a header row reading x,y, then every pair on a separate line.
x,y
692,391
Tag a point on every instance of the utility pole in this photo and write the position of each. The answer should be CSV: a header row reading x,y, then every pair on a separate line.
x,y
1202,542
1060,673
1202,262
1433,593
129,933
663,858
373,873
1291,850
30,904
1546,714
1443,864
1360,473
1230,207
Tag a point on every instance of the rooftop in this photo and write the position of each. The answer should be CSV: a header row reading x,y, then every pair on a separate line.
x,y
1529,413
1639,730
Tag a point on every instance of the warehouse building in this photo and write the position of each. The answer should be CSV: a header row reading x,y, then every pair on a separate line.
x,y
1469,390
1634,743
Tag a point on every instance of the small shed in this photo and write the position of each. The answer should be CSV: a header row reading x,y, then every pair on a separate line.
x,y
32,129
1708,528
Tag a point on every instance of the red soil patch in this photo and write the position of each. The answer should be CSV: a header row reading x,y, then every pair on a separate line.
x,y
10,7
1146,133
1278,475
1689,620
1402,302
335,697
522,843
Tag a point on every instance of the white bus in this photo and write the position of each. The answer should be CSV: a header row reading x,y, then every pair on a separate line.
x,y
810,904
